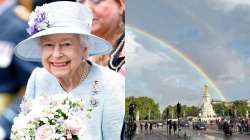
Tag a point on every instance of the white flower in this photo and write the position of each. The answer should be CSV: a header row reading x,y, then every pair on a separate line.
x,y
51,116
20,122
45,132
47,120
35,114
62,138
75,125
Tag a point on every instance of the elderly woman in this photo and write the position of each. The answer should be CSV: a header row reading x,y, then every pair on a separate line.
x,y
108,23
61,40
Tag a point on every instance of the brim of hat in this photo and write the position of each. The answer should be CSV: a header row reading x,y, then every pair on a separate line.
x,y
30,50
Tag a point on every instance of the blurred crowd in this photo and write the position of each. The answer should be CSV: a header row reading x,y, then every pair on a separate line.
x,y
236,125
14,73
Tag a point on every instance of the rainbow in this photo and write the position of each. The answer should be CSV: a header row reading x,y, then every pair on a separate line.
x,y
185,58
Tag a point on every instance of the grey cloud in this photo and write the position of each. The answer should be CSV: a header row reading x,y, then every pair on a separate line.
x,y
215,39
229,5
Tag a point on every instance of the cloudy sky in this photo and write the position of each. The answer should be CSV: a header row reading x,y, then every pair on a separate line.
x,y
214,34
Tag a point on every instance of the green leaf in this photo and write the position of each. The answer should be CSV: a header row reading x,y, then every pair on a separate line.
x,y
74,137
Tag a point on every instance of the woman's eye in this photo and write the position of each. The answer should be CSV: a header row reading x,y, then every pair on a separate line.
x,y
67,44
92,1
48,45
96,1
81,1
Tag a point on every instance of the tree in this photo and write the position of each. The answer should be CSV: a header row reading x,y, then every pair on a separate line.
x,y
240,108
185,111
146,106
166,113
220,109
190,111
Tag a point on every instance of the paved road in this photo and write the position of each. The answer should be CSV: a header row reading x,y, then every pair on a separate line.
x,y
153,136
156,134
214,135
160,134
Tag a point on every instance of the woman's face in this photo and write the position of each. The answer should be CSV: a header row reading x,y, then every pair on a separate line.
x,y
62,54
107,14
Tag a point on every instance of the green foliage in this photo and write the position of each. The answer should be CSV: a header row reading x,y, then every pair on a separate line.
x,y
185,111
190,111
172,112
220,109
144,105
240,108
74,137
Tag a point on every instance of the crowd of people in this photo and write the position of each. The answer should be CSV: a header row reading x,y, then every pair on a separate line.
x,y
236,125
147,127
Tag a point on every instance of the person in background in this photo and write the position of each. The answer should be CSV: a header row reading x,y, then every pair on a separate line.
x,y
108,23
175,126
41,2
170,125
12,26
150,127
14,72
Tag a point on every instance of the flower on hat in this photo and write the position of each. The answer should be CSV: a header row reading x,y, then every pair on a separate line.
x,y
38,20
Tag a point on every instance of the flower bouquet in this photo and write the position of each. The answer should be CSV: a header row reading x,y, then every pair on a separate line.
x,y
59,117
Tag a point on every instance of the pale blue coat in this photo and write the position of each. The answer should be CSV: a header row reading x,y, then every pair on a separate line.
x,y
107,117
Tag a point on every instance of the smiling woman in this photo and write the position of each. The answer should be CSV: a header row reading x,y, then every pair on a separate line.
x,y
63,55
62,42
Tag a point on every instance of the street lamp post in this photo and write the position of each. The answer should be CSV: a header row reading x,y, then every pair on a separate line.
x,y
149,114
178,110
131,120
167,119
